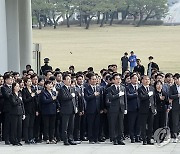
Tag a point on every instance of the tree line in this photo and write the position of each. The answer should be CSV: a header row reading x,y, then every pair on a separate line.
x,y
49,12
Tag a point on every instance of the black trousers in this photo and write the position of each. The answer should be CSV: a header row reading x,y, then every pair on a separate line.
x,y
67,126
28,126
175,120
93,121
7,124
159,120
116,125
16,128
83,126
49,126
1,126
38,127
58,127
146,120
77,121
134,126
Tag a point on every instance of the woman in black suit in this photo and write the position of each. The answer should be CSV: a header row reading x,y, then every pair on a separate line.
x,y
161,106
17,114
48,109
29,101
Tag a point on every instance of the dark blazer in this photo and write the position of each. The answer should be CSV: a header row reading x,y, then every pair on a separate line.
x,y
117,103
132,98
1,101
68,104
81,100
17,107
173,94
145,100
161,105
6,92
29,102
153,66
48,105
94,103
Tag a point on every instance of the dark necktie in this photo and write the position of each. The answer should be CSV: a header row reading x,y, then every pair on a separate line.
x,y
135,88
94,89
147,89
118,89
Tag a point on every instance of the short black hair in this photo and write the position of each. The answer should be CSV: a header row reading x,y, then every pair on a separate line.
x,y
65,75
52,78
116,74
168,75
7,76
47,82
90,69
34,75
90,75
151,57
56,73
132,75
159,74
46,72
176,75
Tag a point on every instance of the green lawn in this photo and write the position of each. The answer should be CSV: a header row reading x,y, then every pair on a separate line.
x,y
98,47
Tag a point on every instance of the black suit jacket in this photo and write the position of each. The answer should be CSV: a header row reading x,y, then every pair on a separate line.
x,y
173,94
68,104
6,92
117,103
132,98
29,102
1,101
94,103
146,102
17,107
81,100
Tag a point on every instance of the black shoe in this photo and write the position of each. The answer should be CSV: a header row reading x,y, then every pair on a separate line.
x,y
72,143
27,142
101,140
150,143
7,143
121,143
132,141
20,144
84,139
144,143
66,143
137,140
14,143
91,142
115,142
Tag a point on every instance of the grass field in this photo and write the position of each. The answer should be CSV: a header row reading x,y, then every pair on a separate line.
x,y
98,47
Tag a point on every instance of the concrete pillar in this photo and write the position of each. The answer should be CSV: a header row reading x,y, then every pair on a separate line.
x,y
12,22
25,33
3,39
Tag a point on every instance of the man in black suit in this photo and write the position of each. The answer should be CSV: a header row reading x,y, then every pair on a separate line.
x,y
147,109
117,109
139,68
152,66
68,107
93,96
6,92
45,67
79,116
133,109
124,62
174,94
1,107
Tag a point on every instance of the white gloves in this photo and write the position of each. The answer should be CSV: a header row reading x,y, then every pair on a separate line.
x,y
150,93
23,117
73,95
121,93
125,111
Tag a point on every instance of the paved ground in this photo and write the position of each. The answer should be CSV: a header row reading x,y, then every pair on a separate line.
x,y
85,148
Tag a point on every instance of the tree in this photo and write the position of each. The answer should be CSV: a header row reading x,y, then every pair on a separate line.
x,y
148,9
39,7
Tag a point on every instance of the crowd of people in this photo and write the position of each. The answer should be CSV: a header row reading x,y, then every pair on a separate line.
x,y
74,107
